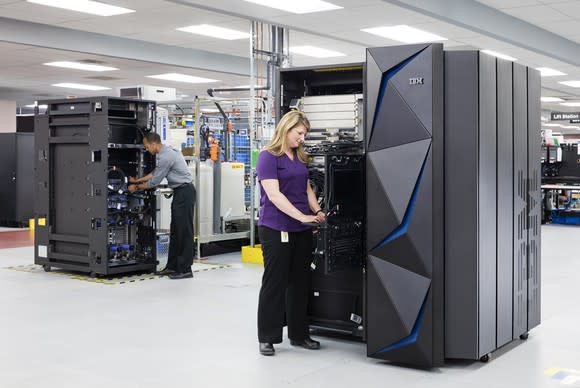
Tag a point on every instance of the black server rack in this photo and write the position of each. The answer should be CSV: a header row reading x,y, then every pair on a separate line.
x,y
336,295
87,221
16,178
451,204
492,164
404,204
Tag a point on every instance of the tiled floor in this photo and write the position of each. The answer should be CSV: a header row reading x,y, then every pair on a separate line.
x,y
61,332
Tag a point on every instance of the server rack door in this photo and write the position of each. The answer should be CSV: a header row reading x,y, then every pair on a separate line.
x,y
534,198
520,272
402,318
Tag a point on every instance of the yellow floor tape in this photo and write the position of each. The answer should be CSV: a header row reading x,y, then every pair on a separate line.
x,y
32,268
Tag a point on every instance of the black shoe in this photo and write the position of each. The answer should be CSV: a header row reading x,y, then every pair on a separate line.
x,y
306,343
267,349
164,272
184,275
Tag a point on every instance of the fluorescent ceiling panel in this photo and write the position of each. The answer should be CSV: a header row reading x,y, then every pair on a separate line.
x,y
70,85
551,99
297,6
403,33
552,125
573,84
499,55
576,103
547,72
182,78
315,52
85,6
80,66
215,32
39,106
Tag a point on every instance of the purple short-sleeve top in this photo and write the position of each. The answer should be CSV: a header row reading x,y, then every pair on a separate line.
x,y
292,176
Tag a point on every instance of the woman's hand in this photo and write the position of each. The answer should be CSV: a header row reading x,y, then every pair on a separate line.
x,y
320,216
308,219
132,179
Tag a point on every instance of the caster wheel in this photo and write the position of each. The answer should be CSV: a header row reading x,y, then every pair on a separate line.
x,y
524,336
46,268
485,358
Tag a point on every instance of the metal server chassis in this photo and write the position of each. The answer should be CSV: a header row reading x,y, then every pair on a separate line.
x,y
84,151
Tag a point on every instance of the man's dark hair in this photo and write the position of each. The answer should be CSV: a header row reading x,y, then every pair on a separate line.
x,y
152,137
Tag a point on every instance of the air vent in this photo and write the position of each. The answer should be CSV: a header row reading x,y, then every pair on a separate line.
x,y
103,78
92,62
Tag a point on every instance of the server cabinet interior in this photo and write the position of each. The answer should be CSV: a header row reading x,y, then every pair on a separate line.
x,y
85,151
332,99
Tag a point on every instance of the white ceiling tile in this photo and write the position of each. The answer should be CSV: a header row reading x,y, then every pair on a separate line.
x,y
537,13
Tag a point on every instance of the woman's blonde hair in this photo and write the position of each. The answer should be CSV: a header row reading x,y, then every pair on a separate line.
x,y
287,122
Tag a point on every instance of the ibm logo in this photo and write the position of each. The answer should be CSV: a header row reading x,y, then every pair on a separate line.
x,y
416,81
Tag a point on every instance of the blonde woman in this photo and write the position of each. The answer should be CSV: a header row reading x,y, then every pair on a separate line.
x,y
287,204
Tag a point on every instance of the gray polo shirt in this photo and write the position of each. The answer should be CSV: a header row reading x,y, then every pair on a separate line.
x,y
170,165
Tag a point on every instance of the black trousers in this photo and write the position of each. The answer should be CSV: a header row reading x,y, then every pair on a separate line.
x,y
181,249
285,285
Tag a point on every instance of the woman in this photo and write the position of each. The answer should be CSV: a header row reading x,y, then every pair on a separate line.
x,y
287,204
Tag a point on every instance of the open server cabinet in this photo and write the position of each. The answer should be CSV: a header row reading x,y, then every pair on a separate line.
x,y
332,99
451,264
86,220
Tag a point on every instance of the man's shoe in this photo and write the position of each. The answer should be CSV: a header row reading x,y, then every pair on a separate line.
x,y
306,343
267,349
164,272
184,275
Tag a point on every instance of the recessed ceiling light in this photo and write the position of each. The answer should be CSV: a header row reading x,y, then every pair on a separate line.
x,y
499,55
547,72
80,66
80,86
315,52
574,103
574,84
551,99
85,6
403,33
182,78
297,6
215,32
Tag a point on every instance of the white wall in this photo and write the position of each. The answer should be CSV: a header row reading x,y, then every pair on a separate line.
x,y
7,116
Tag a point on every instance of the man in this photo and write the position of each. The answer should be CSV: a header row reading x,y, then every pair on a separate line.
x,y
171,165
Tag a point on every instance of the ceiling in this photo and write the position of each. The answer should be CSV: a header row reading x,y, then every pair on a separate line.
x,y
539,33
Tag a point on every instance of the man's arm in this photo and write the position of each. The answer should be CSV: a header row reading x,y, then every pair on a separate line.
x,y
145,178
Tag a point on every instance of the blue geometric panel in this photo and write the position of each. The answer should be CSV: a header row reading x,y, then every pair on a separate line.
x,y
403,253
380,211
395,123
397,169
417,95
407,290
388,59
402,228
383,88
384,326
412,337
